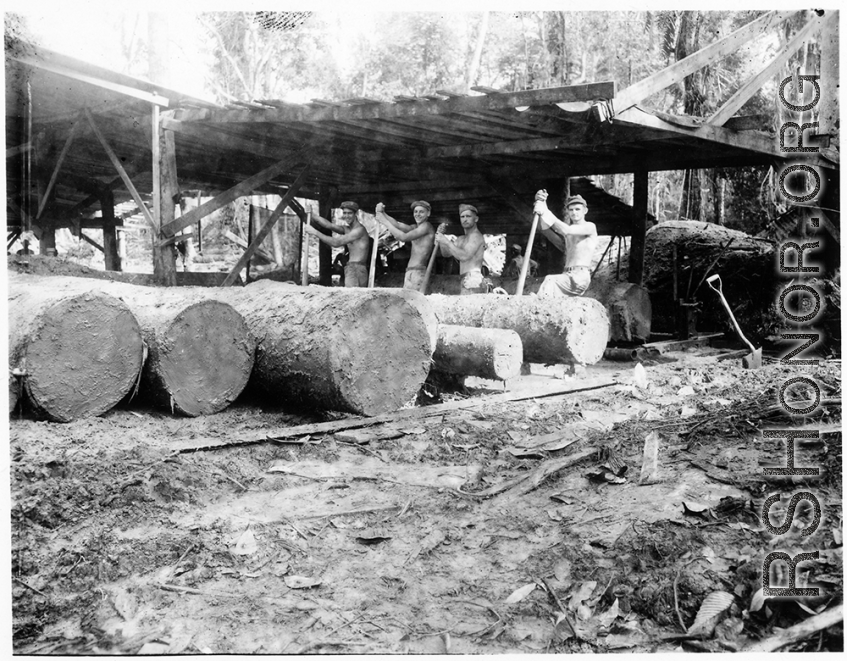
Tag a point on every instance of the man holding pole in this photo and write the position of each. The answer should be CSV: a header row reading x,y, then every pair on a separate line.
x,y
422,236
354,235
468,249
580,244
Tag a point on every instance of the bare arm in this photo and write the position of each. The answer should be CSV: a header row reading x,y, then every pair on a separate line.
x,y
323,222
392,223
338,241
410,235
463,252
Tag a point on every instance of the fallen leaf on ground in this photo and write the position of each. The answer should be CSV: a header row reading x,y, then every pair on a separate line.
x,y
650,459
582,593
520,594
246,544
712,611
301,582
414,431
562,570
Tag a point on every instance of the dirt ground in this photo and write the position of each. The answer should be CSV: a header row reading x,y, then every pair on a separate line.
x,y
382,540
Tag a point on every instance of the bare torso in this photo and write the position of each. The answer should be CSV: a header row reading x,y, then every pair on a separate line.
x,y
474,262
580,249
422,248
360,248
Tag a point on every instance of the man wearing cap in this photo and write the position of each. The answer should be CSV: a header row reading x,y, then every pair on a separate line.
x,y
354,236
580,244
513,269
421,235
468,249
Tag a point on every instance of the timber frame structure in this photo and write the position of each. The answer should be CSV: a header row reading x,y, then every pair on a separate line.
x,y
77,135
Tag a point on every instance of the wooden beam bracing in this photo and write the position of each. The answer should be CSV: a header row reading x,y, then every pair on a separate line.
x,y
120,168
676,72
748,89
88,239
243,188
58,166
266,228
640,203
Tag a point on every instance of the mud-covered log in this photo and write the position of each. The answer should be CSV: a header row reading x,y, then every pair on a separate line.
x,y
79,351
200,352
362,350
552,330
489,353
628,306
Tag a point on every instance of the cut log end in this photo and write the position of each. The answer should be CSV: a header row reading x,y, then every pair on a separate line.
x,y
204,358
84,357
489,353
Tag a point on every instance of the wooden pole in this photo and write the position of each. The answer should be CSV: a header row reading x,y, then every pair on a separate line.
x,y
439,230
110,239
249,237
527,255
304,255
372,272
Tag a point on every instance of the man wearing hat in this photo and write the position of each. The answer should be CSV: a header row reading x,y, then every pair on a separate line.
x,y
422,236
354,236
580,244
468,249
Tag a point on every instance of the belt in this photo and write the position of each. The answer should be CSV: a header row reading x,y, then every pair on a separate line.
x,y
574,268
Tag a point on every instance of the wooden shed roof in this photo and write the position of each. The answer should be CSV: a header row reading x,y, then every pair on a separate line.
x,y
491,149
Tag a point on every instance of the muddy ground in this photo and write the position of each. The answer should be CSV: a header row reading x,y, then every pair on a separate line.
x,y
325,544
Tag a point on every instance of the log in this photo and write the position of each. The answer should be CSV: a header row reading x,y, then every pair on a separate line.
x,y
80,350
366,351
489,353
628,306
200,352
561,330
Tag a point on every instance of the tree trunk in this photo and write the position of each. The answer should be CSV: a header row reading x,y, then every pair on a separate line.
x,y
489,353
366,350
80,350
552,330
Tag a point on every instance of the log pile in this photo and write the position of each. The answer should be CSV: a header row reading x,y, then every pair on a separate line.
x,y
489,353
628,306
552,330
78,351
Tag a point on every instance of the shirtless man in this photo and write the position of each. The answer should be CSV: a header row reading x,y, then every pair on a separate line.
x,y
468,249
580,244
354,236
421,235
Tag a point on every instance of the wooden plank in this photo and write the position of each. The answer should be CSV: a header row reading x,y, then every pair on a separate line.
x,y
748,89
260,252
20,149
750,141
86,238
58,166
487,90
268,226
553,390
120,168
587,92
685,67
244,188
52,67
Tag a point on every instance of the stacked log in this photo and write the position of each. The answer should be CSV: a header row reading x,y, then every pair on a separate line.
x,y
489,353
361,350
200,353
78,351
628,306
552,330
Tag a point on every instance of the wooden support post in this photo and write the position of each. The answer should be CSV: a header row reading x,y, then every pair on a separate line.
x,y
325,250
165,188
47,241
304,251
261,234
640,196
250,223
110,239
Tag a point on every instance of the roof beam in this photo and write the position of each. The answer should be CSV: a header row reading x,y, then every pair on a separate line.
x,y
748,89
685,67
38,63
589,92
